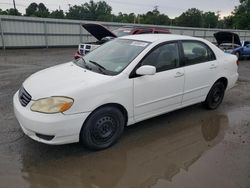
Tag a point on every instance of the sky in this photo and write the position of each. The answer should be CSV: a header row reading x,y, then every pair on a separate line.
x,y
172,8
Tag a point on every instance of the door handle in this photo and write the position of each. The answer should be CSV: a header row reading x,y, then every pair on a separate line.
x,y
179,74
213,66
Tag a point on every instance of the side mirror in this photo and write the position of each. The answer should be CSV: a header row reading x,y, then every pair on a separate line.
x,y
146,70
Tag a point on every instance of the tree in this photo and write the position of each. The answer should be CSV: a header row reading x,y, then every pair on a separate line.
x,y
42,11
103,11
10,11
191,18
2,12
91,11
57,14
210,19
241,15
155,17
75,12
118,18
38,10
31,9
228,22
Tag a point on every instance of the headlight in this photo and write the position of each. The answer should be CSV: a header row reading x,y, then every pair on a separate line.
x,y
52,105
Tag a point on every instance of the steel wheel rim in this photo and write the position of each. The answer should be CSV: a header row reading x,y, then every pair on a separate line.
x,y
104,129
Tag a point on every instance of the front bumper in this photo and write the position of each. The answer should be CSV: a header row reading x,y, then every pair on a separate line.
x,y
64,128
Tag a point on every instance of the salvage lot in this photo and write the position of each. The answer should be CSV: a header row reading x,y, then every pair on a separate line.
x,y
192,147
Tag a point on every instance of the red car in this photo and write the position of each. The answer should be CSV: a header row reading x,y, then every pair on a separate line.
x,y
102,34
122,31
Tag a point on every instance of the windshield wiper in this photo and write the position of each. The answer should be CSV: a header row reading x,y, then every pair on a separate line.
x,y
85,64
101,68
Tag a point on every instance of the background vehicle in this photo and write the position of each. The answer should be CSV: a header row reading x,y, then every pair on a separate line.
x,y
228,47
132,30
242,51
227,41
230,43
124,81
103,35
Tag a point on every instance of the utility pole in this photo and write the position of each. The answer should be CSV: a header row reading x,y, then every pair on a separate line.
x,y
14,3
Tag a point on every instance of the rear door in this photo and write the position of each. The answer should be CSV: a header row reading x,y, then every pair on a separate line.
x,y
200,68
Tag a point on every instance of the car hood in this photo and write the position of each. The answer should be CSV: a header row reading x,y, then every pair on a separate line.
x,y
98,31
61,80
227,37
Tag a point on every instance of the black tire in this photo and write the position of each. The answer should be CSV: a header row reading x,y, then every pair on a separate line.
x,y
215,96
103,128
238,55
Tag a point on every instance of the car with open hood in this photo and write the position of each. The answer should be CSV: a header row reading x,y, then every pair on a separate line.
x,y
227,41
230,43
122,82
102,34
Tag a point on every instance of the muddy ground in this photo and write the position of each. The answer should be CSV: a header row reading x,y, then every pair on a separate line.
x,y
188,148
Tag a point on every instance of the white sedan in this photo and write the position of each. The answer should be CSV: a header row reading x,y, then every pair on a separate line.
x,y
124,81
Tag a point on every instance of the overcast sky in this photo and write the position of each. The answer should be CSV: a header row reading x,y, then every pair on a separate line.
x,y
172,8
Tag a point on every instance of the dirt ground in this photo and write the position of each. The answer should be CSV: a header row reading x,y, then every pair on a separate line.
x,y
188,148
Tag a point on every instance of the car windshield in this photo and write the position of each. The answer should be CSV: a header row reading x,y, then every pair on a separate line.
x,y
122,32
112,57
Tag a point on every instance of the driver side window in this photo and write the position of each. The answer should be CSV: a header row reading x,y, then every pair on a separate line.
x,y
165,57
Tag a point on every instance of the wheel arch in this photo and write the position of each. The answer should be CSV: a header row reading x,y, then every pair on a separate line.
x,y
118,106
224,80
115,105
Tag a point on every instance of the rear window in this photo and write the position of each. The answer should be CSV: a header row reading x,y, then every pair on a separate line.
x,y
196,52
122,32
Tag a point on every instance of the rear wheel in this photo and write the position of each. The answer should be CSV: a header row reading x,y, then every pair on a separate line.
x,y
103,128
215,96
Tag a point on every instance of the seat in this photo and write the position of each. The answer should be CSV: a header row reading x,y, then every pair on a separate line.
x,y
166,60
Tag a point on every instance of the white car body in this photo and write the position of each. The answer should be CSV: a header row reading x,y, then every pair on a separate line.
x,y
142,97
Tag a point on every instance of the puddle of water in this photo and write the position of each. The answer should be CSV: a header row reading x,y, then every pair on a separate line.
x,y
159,148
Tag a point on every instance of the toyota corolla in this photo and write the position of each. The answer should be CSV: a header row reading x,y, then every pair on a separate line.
x,y
122,82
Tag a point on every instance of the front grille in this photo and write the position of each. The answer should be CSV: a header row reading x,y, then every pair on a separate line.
x,y
24,97
88,47
81,52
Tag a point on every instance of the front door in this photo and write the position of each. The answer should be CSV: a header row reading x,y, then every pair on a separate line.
x,y
162,92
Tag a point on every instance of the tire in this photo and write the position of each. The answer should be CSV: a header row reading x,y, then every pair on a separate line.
x,y
103,128
238,55
215,96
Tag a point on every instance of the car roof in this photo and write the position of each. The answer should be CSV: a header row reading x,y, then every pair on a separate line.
x,y
158,37
142,27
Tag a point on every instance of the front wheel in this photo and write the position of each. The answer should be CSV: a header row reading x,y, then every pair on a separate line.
x,y
103,128
215,96
238,55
